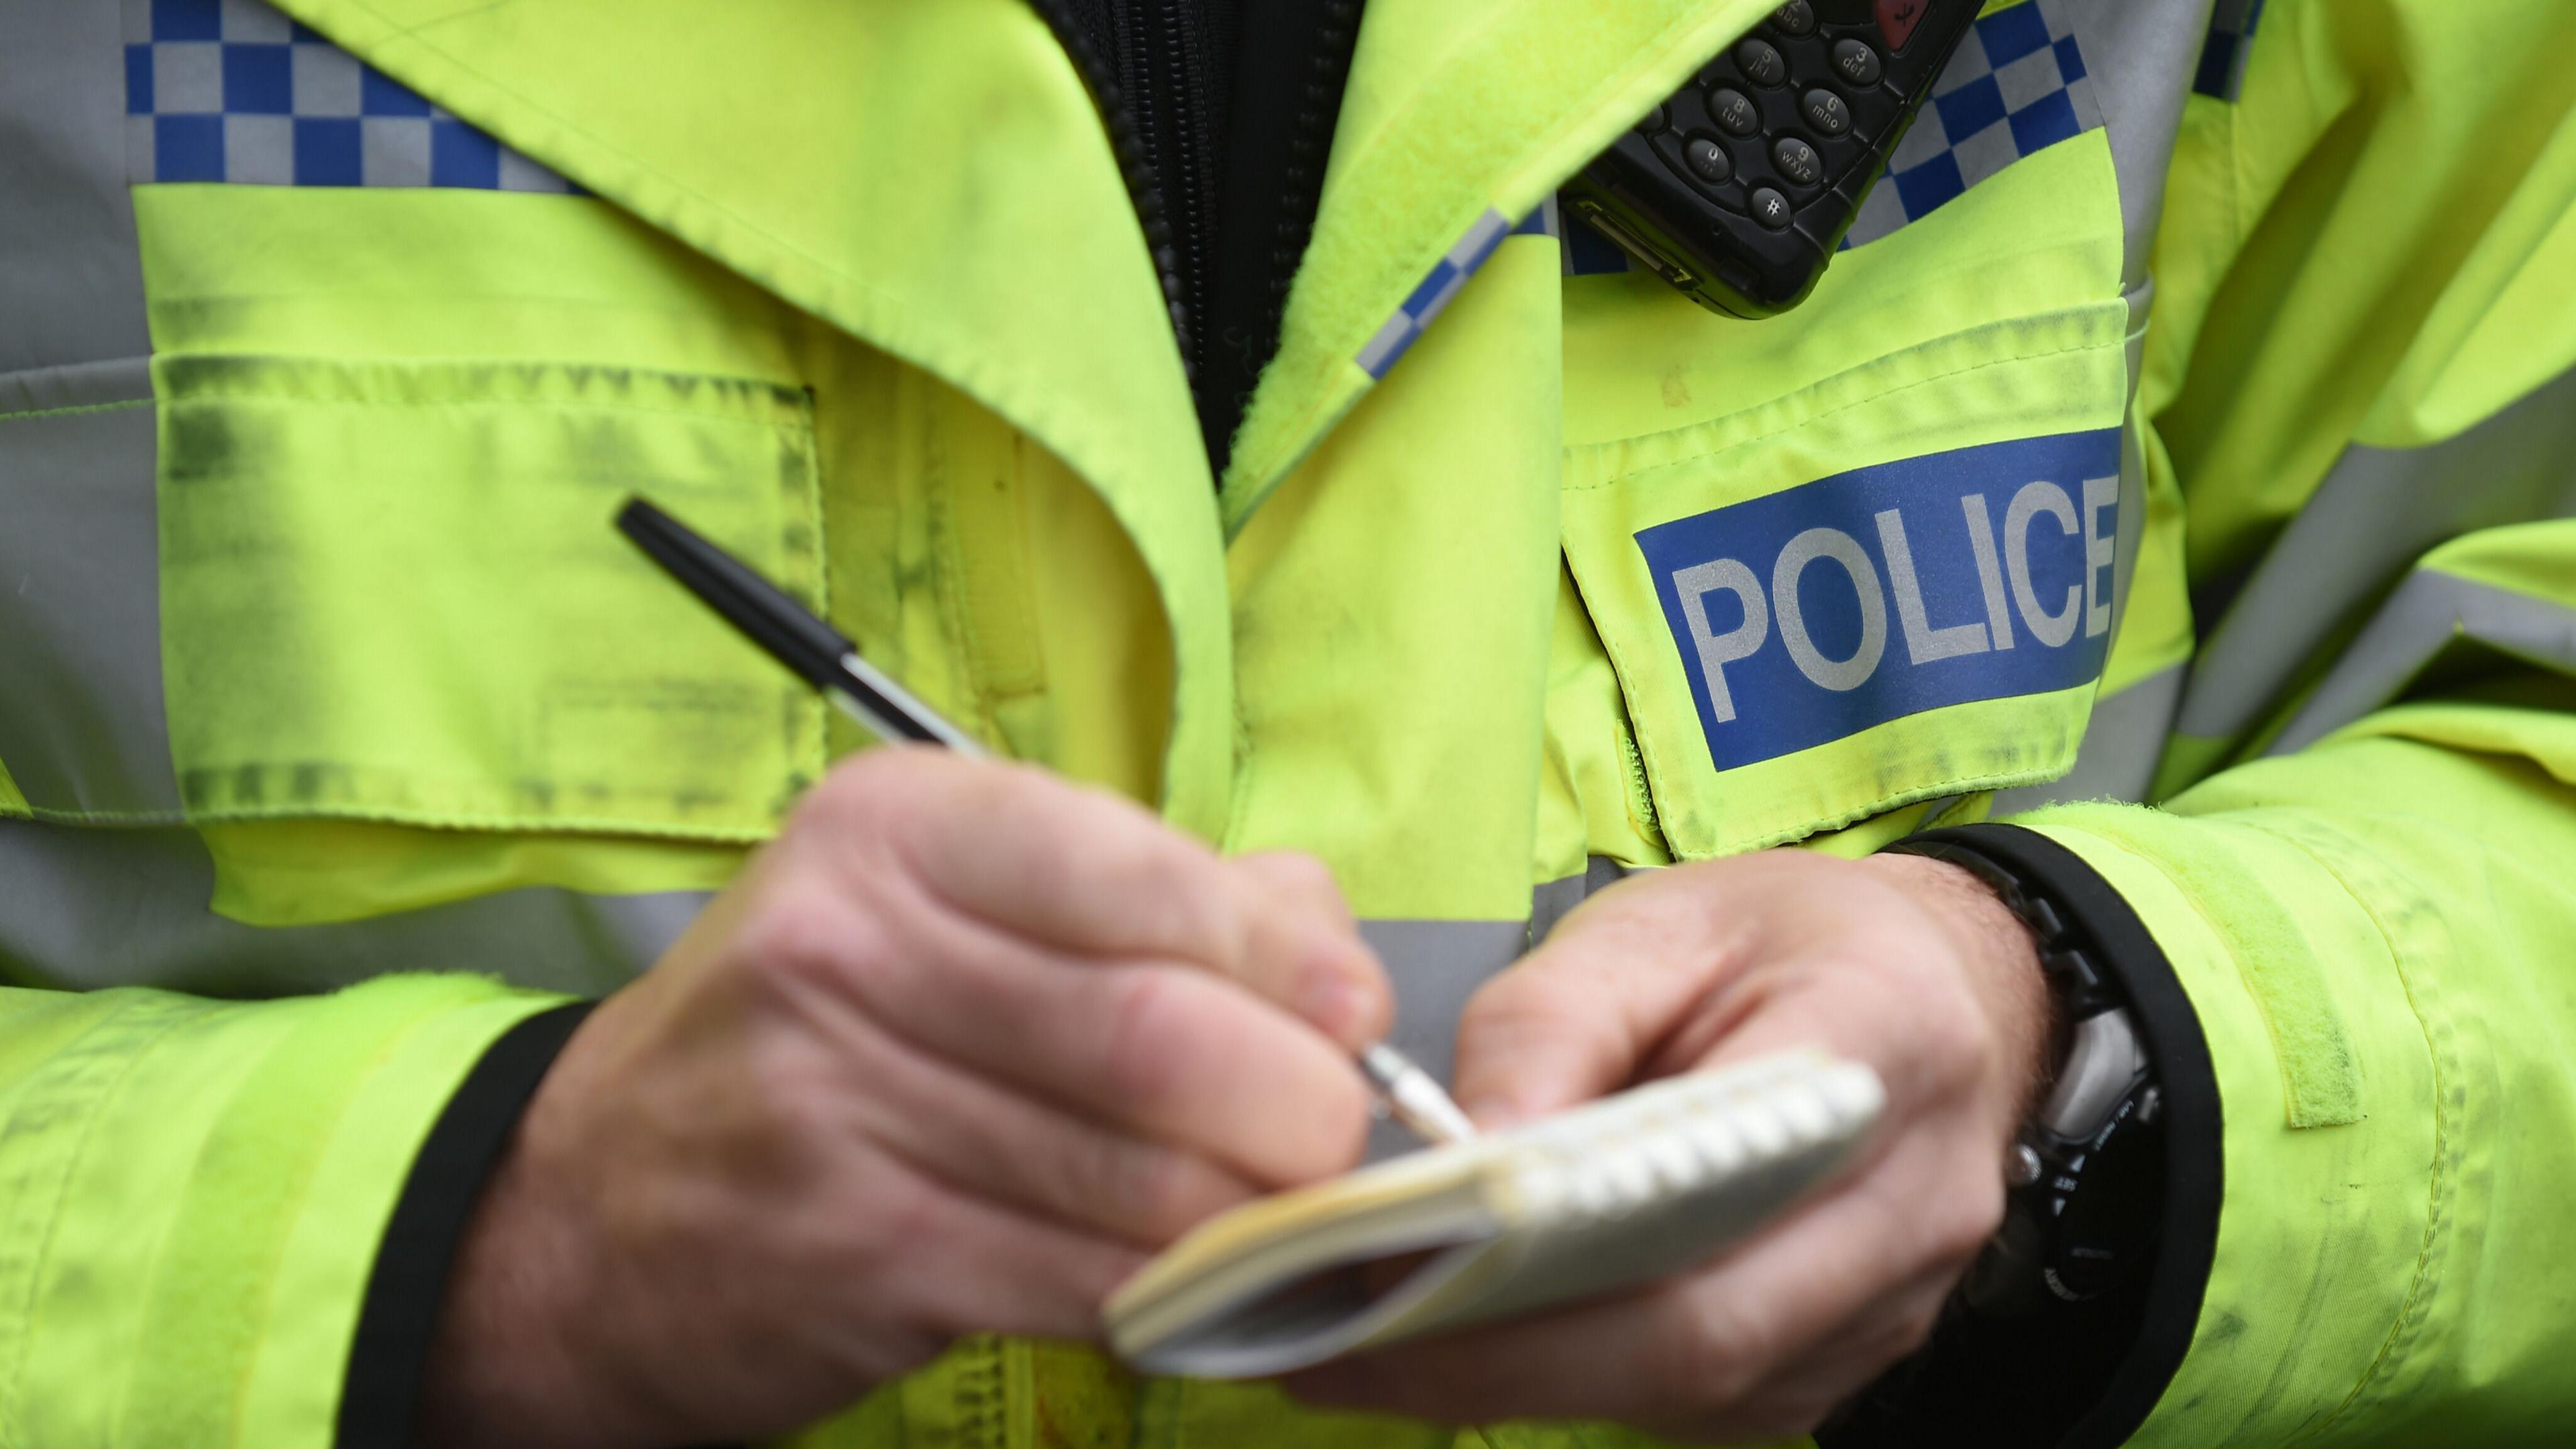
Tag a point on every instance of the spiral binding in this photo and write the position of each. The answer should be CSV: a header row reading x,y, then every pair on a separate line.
x,y
1675,1137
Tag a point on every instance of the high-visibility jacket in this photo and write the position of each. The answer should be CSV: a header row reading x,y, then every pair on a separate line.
x,y
2190,423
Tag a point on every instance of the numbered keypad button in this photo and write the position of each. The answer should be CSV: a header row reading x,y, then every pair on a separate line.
x,y
1795,18
1734,111
1855,62
1707,159
1761,63
1797,161
1654,122
1825,112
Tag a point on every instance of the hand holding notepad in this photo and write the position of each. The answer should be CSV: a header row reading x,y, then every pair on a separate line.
x,y
1607,1195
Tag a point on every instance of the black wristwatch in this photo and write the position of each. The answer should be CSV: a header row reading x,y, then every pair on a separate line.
x,y
2086,1177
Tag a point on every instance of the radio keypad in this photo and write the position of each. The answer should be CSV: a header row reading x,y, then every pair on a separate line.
x,y
1816,101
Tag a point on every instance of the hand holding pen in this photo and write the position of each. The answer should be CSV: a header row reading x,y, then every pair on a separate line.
x,y
818,654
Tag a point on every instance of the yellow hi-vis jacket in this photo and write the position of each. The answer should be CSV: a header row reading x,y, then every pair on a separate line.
x,y
2189,433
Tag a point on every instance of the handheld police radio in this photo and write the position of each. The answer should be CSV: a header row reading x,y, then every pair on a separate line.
x,y
1737,189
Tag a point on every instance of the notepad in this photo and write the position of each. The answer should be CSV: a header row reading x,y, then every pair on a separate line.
x,y
1606,1195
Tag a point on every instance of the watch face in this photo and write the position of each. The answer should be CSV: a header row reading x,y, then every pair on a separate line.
x,y
2113,1205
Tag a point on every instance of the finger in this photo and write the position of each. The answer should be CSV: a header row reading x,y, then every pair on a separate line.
x,y
990,1142
1085,871
966,1265
1064,865
1576,1017
1674,1351
1305,950
1154,1050
1836,1369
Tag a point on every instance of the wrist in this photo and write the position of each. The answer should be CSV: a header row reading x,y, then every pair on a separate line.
x,y
515,1355
2000,958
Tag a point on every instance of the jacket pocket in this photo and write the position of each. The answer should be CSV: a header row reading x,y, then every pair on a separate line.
x,y
1862,555
391,591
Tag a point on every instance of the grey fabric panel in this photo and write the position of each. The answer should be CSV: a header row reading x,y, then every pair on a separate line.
x,y
2122,742
2142,54
2130,524
2375,512
81,722
76,385
2427,612
1552,901
1436,966
71,284
83,907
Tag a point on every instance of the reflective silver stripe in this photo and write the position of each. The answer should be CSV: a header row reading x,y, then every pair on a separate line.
x,y
2427,612
2375,513
1552,901
2146,51
81,724
2130,522
2122,742
71,287
85,907
1435,966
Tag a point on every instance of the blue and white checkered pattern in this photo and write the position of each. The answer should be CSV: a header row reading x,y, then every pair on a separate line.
x,y
2017,85
2222,55
1442,283
233,90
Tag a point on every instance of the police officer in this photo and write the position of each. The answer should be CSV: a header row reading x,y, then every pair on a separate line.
x,y
1426,619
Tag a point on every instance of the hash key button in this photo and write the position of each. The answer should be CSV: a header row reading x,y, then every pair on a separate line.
x,y
1825,111
1854,61
1797,161
1770,208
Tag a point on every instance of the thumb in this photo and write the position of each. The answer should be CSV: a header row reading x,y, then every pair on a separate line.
x,y
1579,1016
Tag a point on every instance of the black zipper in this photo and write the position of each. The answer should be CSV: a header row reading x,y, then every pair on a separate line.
x,y
1127,144
1227,232
1285,109
1162,56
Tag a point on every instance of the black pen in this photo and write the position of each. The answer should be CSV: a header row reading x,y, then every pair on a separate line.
x,y
816,652
770,617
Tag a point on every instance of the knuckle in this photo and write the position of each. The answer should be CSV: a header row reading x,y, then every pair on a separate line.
x,y
791,935
1152,1053
1955,1042
1970,1220
1336,1113
1301,875
1723,1360
1147,1188
801,943
1521,999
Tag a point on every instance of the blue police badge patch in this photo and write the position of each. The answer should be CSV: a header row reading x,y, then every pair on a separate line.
x,y
1819,611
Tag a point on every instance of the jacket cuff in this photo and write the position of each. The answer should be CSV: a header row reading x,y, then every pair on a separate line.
x,y
389,1352
2079,1374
